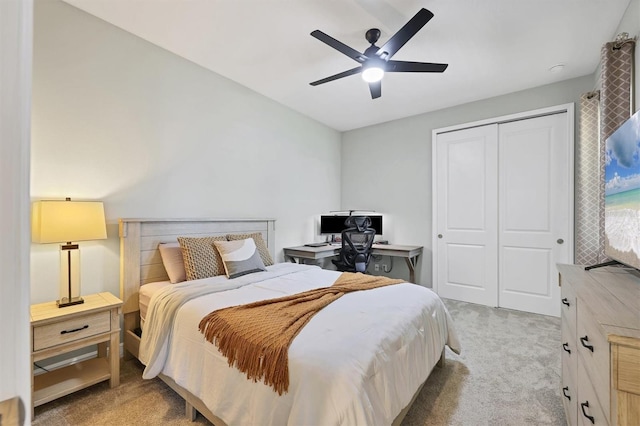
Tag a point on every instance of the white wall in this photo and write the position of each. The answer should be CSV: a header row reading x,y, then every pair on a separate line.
x,y
118,119
630,23
387,167
15,104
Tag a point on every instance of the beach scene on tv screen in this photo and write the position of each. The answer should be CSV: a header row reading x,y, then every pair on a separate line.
x,y
622,193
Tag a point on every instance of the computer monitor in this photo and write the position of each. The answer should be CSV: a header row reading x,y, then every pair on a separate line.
x,y
334,224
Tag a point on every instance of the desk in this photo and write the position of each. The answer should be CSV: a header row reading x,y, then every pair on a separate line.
x,y
409,253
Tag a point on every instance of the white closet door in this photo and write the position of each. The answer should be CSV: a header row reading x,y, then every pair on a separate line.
x,y
534,208
466,176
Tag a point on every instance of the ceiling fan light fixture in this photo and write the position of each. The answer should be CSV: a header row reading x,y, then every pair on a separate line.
x,y
376,60
372,74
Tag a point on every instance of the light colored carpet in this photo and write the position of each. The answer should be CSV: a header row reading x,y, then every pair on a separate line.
x,y
508,374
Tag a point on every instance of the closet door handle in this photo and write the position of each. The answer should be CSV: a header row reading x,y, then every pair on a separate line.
x,y
439,235
584,413
565,346
565,301
564,392
586,339
560,241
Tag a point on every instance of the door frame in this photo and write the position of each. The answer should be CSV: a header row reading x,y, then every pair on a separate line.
x,y
568,108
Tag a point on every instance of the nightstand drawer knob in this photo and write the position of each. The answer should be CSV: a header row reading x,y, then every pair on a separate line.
x,y
74,330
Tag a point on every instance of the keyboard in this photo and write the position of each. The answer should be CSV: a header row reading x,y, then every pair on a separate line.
x,y
316,244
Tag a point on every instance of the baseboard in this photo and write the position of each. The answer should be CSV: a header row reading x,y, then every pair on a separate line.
x,y
43,367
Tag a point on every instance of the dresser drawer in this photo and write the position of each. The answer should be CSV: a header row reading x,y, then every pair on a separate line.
x,y
568,305
628,369
594,352
47,336
569,391
590,411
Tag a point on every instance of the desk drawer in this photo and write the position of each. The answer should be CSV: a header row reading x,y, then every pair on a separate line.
x,y
50,335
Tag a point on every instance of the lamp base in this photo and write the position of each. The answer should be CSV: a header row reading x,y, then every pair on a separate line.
x,y
65,301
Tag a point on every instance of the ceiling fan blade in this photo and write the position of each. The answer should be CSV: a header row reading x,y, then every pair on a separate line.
x,y
339,46
405,33
405,66
347,73
376,89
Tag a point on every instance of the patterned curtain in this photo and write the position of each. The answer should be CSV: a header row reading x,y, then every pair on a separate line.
x,y
601,113
587,190
616,103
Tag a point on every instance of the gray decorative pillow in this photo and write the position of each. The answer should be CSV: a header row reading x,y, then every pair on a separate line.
x,y
240,257
201,258
171,254
260,245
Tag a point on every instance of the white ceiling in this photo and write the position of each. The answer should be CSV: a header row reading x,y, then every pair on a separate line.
x,y
492,47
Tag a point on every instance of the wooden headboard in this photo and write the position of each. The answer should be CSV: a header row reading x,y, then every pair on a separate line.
x,y
140,261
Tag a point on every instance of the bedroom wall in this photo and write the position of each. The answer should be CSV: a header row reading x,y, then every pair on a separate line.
x,y
630,23
397,177
15,103
118,119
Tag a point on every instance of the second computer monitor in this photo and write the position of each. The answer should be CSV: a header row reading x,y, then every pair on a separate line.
x,y
334,224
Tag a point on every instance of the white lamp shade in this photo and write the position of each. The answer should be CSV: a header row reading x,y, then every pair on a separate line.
x,y
67,221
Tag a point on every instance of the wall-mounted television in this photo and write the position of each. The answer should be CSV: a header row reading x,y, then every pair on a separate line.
x,y
622,193
334,224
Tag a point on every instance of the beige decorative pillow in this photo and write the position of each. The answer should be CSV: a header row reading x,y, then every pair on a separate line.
x,y
201,258
240,257
172,260
260,245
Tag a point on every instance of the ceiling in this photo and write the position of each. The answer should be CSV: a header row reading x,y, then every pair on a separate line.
x,y
492,47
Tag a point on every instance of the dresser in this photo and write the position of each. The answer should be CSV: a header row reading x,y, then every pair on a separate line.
x,y
57,331
600,345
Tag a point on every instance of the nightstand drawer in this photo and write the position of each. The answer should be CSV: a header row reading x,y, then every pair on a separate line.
x,y
70,330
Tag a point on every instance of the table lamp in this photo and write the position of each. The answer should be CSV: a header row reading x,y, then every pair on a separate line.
x,y
67,222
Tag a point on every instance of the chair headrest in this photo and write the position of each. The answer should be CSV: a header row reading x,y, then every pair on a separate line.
x,y
359,222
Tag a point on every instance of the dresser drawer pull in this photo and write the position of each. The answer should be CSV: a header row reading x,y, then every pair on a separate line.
x,y
565,346
584,413
586,339
74,330
565,301
564,392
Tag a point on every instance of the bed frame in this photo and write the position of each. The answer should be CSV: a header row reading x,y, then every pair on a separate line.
x,y
140,264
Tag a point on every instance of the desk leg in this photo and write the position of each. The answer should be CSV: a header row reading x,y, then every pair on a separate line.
x,y
411,263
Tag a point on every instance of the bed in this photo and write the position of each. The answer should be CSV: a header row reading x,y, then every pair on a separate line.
x,y
361,360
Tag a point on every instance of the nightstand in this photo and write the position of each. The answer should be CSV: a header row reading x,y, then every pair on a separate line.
x,y
56,331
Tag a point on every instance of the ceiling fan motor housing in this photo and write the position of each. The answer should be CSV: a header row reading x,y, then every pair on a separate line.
x,y
372,35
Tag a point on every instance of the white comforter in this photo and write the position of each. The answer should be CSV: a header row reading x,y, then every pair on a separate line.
x,y
358,361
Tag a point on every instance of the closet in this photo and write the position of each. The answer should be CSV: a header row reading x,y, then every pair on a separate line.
x,y
503,209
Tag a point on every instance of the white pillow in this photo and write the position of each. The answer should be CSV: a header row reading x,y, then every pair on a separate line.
x,y
171,254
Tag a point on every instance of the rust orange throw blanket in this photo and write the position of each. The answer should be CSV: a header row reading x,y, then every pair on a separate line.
x,y
256,337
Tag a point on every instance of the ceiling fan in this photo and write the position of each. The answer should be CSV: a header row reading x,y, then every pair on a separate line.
x,y
375,61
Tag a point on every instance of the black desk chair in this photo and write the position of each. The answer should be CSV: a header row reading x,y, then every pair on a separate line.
x,y
357,240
